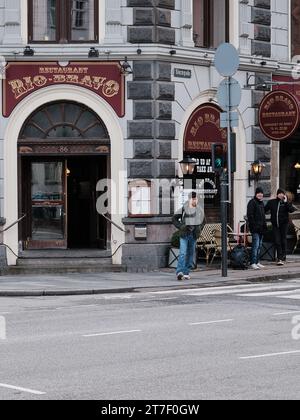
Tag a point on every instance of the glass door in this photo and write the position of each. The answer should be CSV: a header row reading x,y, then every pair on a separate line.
x,y
48,205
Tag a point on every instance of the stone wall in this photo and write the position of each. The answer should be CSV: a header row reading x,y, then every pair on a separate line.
x,y
151,22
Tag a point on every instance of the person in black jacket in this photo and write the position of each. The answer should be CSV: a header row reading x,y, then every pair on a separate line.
x,y
280,209
257,226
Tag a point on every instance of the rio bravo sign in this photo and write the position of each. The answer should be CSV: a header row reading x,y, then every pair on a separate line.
x,y
279,115
104,79
203,129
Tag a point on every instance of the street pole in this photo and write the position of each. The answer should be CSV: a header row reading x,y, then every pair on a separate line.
x,y
224,203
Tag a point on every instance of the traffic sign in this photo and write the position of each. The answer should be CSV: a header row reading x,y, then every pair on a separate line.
x,y
229,98
227,60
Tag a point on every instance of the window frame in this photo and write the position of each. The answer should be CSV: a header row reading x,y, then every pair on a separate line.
x,y
64,24
208,28
139,183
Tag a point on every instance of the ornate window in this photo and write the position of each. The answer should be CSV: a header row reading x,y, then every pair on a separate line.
x,y
61,120
211,22
63,21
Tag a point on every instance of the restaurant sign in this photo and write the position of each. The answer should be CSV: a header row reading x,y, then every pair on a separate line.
x,y
203,129
104,79
279,115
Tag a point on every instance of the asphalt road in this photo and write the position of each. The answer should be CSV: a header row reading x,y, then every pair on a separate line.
x,y
239,342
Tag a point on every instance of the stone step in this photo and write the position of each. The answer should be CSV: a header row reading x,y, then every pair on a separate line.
x,y
63,262
62,269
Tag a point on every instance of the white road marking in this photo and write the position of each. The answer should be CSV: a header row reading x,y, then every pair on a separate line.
x,y
278,293
261,356
27,390
211,322
296,297
287,313
111,333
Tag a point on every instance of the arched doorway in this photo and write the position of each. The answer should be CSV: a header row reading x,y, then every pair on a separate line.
x,y
63,151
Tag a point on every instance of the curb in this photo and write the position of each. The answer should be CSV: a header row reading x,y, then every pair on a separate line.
x,y
81,292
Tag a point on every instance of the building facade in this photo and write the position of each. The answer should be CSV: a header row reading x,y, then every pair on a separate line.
x,y
74,115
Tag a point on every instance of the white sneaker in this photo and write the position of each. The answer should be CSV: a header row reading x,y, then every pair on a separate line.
x,y
186,277
260,265
255,267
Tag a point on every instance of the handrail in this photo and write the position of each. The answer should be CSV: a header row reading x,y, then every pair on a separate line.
x,y
113,223
13,224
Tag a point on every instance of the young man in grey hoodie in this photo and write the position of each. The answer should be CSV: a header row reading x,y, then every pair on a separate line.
x,y
189,220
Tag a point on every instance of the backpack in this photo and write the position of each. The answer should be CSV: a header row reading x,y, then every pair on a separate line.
x,y
239,258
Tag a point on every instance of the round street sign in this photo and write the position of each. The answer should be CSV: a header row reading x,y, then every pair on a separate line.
x,y
232,99
227,60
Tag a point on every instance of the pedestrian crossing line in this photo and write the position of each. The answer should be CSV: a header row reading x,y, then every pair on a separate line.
x,y
222,321
26,390
263,294
254,289
262,356
287,313
296,297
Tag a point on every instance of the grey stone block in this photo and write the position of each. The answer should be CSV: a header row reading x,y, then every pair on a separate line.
x,y
263,4
141,130
166,130
166,169
261,16
165,36
257,97
164,110
141,34
164,72
163,17
263,153
144,17
261,48
164,150
140,169
266,186
143,149
258,136
143,70
165,91
140,90
262,33
143,110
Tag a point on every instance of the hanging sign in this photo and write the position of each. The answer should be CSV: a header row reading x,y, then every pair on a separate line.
x,y
279,115
104,79
203,129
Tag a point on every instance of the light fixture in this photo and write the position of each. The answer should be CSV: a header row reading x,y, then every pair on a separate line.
x,y
188,166
28,51
256,171
68,172
297,166
93,52
173,52
126,67
139,51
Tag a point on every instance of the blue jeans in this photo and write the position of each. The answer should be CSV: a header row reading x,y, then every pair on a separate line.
x,y
187,254
257,241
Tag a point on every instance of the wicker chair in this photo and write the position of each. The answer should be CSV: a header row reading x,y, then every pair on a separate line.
x,y
218,244
296,224
207,241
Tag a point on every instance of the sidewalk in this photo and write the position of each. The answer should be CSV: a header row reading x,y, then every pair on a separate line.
x,y
102,283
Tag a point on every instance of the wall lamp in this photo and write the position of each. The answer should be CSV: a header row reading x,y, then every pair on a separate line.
x,y
173,52
28,51
93,52
256,171
188,166
297,166
126,68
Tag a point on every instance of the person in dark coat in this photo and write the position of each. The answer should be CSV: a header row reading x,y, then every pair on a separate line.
x,y
257,226
280,209
189,220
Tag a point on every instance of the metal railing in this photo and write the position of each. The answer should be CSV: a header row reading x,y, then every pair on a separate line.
x,y
113,223
14,224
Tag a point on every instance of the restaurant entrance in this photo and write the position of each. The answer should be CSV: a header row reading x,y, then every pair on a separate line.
x,y
64,150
